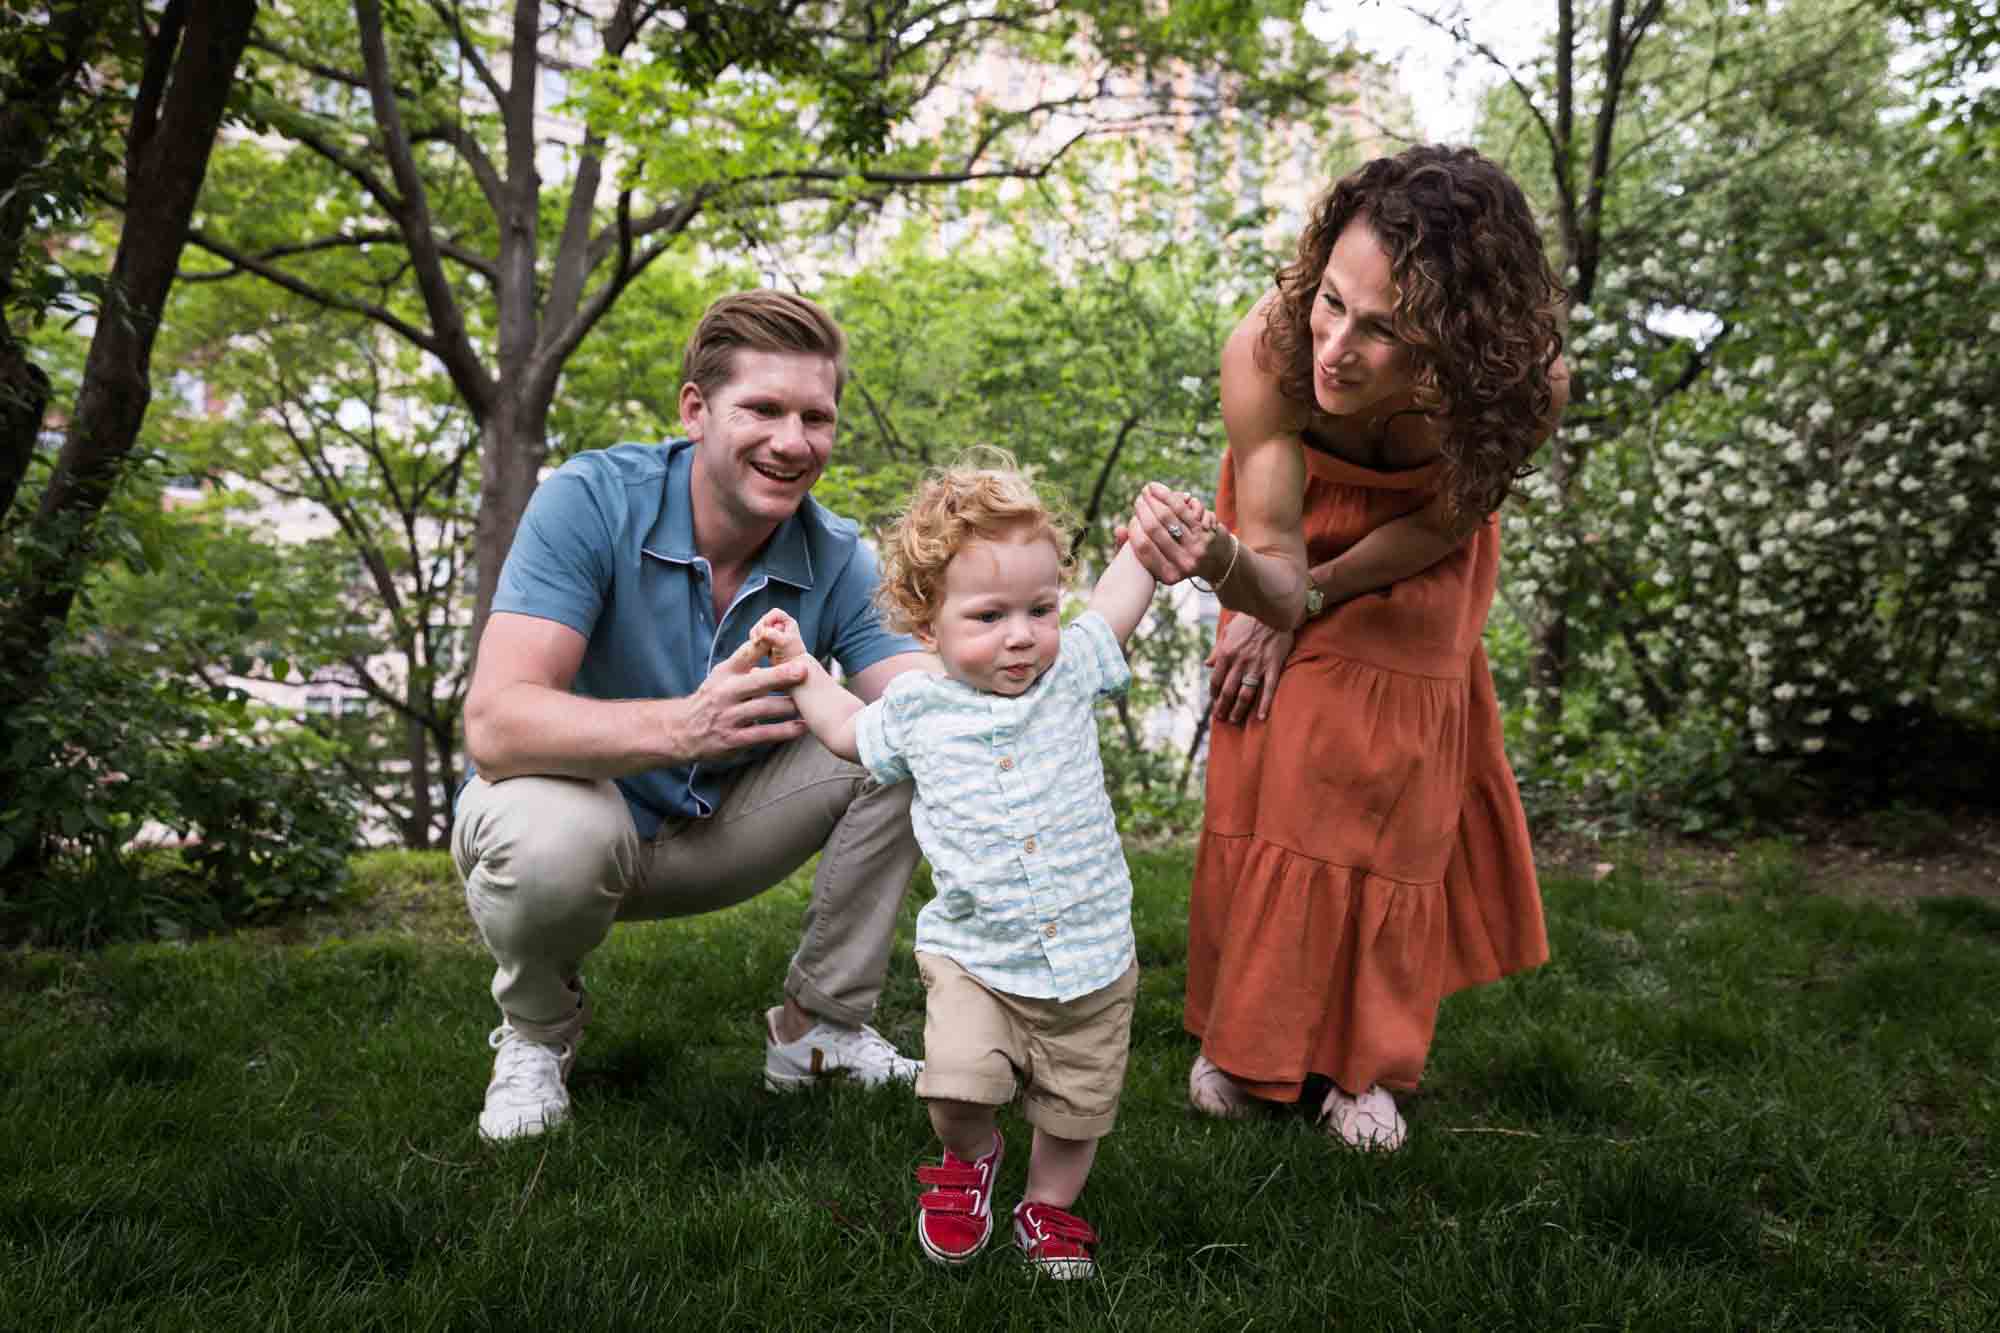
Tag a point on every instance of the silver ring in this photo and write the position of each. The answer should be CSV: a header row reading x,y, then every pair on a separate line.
x,y
1250,682
1176,531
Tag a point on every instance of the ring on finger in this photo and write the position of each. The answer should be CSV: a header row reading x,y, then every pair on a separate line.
x,y
1251,682
1176,531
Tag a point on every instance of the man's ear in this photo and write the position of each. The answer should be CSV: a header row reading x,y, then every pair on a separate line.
x,y
694,411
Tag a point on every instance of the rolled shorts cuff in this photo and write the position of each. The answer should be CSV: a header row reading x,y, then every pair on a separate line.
x,y
964,1086
1065,1124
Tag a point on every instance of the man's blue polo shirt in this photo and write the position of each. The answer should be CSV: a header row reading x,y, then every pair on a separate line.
x,y
606,547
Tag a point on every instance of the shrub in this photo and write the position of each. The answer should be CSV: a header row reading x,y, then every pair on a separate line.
x,y
110,763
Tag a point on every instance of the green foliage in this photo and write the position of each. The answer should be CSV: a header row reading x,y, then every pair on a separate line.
x,y
112,759
1774,547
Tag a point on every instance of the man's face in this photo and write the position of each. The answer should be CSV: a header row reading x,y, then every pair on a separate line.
x,y
763,438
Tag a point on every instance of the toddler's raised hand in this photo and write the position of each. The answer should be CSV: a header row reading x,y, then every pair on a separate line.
x,y
777,637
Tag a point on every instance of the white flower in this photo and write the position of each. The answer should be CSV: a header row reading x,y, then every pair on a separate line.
x,y
1860,713
1813,744
1785,693
1748,563
1818,717
1190,384
1628,497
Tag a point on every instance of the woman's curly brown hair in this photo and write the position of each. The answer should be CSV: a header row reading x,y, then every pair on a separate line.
x,y
1478,307
983,495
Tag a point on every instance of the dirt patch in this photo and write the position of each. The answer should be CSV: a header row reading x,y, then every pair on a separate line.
x,y
1893,858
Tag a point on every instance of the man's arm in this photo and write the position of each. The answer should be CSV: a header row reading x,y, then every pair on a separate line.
x,y
521,718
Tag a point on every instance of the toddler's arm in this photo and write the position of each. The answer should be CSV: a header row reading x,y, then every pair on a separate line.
x,y
827,709
1123,593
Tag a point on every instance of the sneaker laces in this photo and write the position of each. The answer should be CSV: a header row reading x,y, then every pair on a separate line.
x,y
521,1063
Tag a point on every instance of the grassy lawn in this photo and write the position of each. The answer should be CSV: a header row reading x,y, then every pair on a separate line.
x,y
1748,1105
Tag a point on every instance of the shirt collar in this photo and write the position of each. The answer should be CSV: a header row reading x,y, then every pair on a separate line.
x,y
787,556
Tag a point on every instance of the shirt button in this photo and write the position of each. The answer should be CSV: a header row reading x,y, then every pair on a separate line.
x,y
1006,764
1028,846
1049,930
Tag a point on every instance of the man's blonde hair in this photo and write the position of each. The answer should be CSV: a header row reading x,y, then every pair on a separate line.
x,y
984,495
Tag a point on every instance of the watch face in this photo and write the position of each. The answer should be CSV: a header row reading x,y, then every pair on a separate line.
x,y
1315,600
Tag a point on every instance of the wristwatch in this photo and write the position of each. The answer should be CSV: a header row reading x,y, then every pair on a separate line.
x,y
1315,600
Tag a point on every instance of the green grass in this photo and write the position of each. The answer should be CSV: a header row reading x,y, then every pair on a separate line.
x,y
1744,1106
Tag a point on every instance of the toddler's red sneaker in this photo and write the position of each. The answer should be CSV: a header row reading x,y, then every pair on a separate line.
x,y
955,1216
1054,1241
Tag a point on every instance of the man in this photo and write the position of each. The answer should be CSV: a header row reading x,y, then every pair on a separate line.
x,y
633,760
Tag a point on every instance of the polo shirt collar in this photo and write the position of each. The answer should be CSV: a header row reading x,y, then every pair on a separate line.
x,y
786,557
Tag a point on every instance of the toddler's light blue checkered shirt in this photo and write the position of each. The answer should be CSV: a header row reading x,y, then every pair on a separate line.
x,y
1033,896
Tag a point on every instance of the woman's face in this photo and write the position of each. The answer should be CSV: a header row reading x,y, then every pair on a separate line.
x,y
1359,366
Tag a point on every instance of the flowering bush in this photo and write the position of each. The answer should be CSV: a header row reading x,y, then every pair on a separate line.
x,y
1800,548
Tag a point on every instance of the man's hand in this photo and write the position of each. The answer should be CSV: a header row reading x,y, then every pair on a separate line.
x,y
1243,668
742,704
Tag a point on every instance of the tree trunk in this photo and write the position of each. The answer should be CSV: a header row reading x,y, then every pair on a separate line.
x,y
24,400
190,65
514,444
1548,636
417,831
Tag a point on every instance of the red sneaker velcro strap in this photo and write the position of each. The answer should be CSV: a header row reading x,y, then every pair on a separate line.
x,y
943,1202
952,1177
1056,1223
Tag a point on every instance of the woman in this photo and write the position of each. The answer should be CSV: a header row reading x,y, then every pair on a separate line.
x,y
1363,850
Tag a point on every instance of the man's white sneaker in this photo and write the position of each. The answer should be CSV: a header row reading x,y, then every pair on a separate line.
x,y
827,1051
526,1095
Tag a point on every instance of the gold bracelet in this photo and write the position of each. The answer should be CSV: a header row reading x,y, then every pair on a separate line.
x,y
1235,549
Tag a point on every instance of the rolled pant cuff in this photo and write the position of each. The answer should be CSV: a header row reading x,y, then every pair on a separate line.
x,y
800,990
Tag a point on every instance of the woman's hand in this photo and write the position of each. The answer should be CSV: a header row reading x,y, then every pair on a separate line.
x,y
1175,536
1243,668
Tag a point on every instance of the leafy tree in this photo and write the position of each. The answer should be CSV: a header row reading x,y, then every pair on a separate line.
x,y
1774,344
420,190
189,52
1639,121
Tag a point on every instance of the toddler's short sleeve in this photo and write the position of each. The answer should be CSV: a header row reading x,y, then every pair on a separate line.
x,y
1093,652
878,735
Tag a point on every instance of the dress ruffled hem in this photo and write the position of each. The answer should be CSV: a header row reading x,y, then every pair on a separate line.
x,y
1299,967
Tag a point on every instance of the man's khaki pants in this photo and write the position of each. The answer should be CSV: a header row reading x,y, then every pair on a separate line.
x,y
550,863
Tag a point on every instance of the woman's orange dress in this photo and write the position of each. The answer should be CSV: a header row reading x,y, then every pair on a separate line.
x,y
1363,852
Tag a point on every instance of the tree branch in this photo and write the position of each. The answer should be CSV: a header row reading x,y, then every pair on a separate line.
x,y
299,287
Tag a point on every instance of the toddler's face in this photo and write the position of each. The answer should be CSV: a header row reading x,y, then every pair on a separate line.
x,y
996,627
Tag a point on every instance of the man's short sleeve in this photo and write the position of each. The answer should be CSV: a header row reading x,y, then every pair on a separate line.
x,y
851,627
876,740
1092,651
559,566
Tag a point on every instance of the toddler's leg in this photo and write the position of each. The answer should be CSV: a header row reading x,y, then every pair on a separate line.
x,y
965,1128
1057,1168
